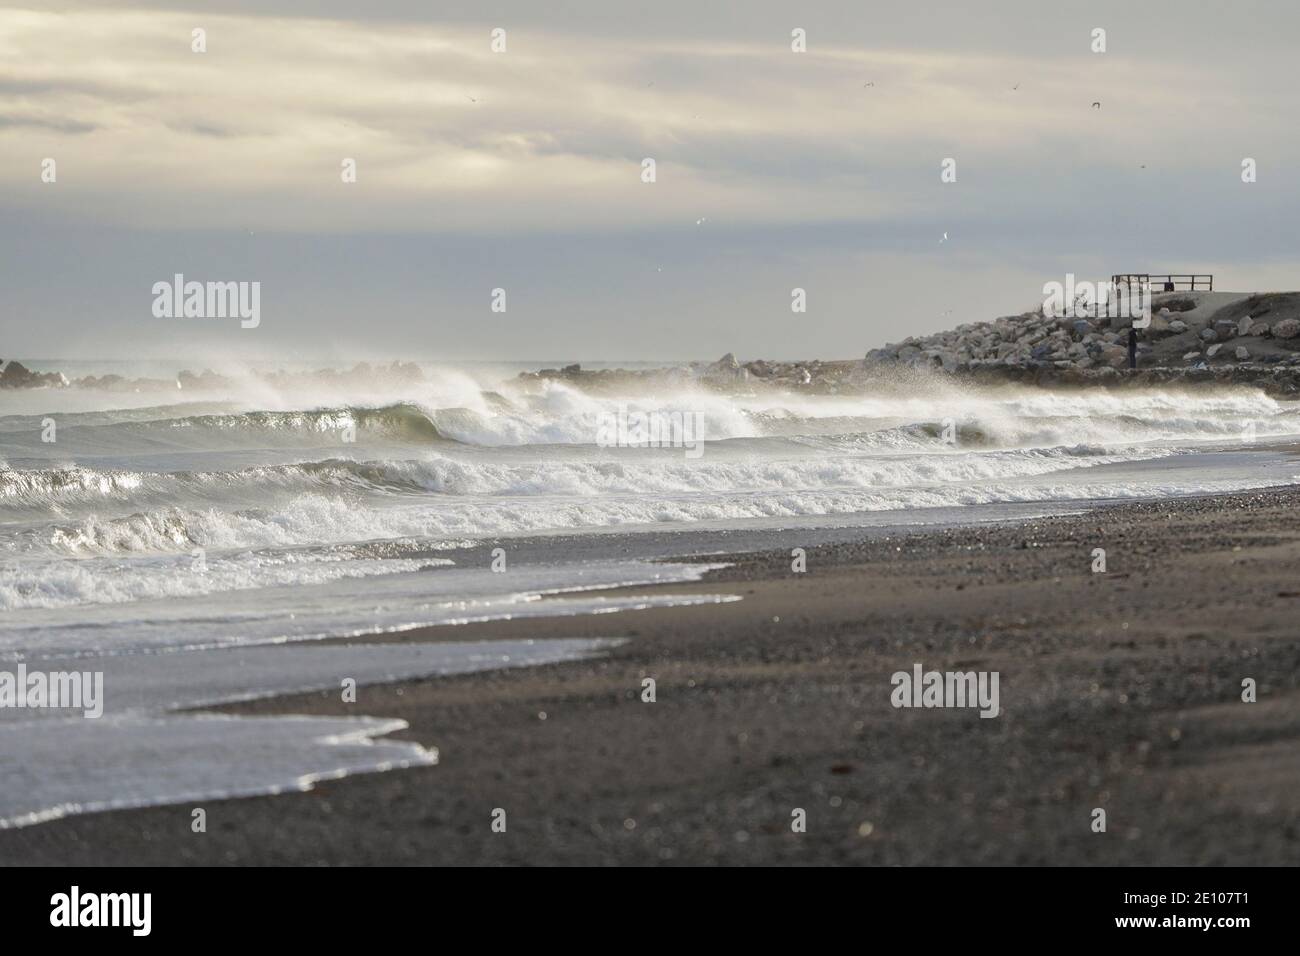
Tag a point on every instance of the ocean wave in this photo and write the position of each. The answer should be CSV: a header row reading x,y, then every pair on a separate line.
x,y
407,539
55,584
556,414
342,526
629,471
402,421
338,501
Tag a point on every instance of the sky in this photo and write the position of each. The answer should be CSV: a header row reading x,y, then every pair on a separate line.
x,y
522,170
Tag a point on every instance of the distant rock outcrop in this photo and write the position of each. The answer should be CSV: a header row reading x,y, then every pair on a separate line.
x,y
17,375
726,374
1187,328
726,370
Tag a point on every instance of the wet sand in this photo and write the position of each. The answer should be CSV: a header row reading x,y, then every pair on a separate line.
x,y
1119,690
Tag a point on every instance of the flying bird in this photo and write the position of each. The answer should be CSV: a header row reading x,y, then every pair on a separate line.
x,y
1096,104
944,239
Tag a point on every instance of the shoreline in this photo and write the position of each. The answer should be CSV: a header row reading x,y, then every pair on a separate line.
x,y
781,701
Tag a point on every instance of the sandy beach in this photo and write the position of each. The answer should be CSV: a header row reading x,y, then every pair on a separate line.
x,y
1119,690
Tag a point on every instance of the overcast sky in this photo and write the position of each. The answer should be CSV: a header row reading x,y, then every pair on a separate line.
x,y
522,170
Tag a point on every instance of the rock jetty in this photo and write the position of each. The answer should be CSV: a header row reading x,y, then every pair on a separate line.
x,y
1187,330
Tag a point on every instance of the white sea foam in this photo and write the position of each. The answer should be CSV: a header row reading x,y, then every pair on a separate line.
x,y
101,613
272,495
142,753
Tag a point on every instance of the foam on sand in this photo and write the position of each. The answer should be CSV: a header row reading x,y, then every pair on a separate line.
x,y
141,753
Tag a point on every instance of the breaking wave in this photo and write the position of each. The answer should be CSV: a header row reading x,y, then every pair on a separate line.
x,y
277,496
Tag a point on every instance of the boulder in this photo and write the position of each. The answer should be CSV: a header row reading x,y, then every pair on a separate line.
x,y
1286,329
1225,329
1114,356
724,370
875,357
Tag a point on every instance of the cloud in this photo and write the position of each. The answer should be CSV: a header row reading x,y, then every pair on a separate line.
x,y
448,135
71,127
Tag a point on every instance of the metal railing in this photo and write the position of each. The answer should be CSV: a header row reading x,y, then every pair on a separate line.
x,y
1169,282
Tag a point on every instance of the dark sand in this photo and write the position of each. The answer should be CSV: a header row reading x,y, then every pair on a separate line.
x,y
1118,690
